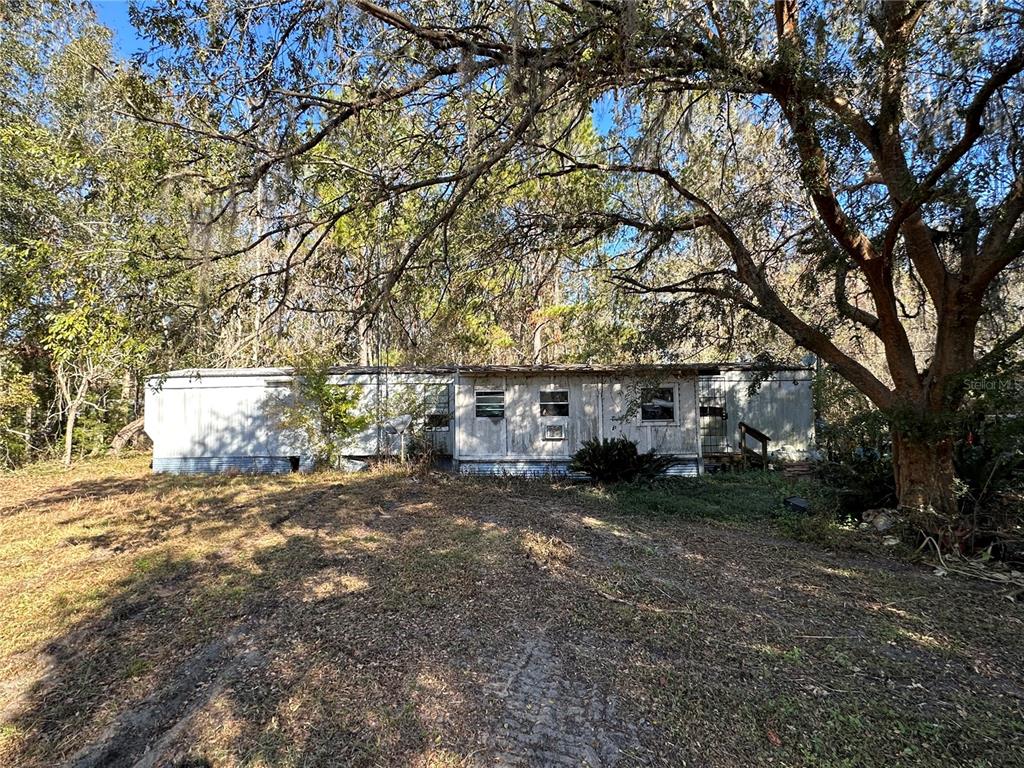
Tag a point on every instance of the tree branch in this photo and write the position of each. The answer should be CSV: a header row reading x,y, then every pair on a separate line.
x,y
1000,348
848,310
769,305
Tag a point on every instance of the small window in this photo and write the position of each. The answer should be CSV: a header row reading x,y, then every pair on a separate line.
x,y
490,403
554,403
437,422
657,404
716,411
554,432
438,409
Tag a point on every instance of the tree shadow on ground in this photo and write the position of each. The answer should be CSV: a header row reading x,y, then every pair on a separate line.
x,y
386,619
235,622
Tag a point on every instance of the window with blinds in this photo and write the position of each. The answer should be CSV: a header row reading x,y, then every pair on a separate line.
x,y
490,403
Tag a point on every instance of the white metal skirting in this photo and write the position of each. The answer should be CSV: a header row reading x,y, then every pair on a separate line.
x,y
685,467
248,465
515,468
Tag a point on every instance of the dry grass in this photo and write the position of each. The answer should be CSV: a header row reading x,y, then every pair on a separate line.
x,y
384,619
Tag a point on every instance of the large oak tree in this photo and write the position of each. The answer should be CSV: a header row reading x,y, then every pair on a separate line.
x,y
834,169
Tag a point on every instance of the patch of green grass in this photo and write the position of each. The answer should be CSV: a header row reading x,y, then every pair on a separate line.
x,y
793,655
159,565
735,498
847,733
10,735
728,497
816,528
136,667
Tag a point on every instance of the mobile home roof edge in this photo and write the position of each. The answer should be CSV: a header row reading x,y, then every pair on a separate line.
x,y
524,370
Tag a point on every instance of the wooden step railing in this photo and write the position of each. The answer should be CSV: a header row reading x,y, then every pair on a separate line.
x,y
747,430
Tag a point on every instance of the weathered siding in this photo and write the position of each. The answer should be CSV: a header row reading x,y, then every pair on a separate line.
x,y
526,425
212,423
232,418
782,407
621,415
478,436
597,408
520,434
209,423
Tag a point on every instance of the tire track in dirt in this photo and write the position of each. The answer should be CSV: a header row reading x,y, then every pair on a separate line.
x,y
140,736
550,717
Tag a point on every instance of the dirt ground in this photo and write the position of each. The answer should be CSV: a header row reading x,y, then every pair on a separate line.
x,y
387,619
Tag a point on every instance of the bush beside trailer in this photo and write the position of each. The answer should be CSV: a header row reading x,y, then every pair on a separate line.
x,y
491,420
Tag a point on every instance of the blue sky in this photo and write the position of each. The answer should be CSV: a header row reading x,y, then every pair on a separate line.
x,y
114,14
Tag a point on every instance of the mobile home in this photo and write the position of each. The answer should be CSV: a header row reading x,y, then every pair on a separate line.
x,y
522,420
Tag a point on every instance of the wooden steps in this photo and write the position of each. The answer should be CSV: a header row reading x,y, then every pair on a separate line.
x,y
798,470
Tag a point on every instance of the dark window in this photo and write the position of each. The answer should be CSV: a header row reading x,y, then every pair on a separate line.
x,y
554,403
437,421
438,408
657,404
490,403
717,411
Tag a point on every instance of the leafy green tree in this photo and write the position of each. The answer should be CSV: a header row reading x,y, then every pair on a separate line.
x,y
808,166
320,413
85,301
17,401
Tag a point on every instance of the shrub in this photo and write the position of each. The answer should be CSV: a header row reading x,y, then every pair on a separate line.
x,y
848,424
861,480
989,459
985,468
617,460
319,413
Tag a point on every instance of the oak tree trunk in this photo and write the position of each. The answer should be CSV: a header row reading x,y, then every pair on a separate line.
x,y
925,481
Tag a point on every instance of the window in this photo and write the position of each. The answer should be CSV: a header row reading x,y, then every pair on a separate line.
x,y
554,432
437,408
717,411
437,422
657,404
554,403
490,403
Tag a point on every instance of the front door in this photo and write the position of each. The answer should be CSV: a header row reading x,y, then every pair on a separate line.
x,y
714,438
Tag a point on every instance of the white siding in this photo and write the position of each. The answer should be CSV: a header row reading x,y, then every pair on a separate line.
x,y
782,407
597,408
479,436
240,415
236,414
622,415
218,416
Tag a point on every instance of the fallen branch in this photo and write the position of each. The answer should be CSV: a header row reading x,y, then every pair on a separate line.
x,y
127,434
975,570
638,606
